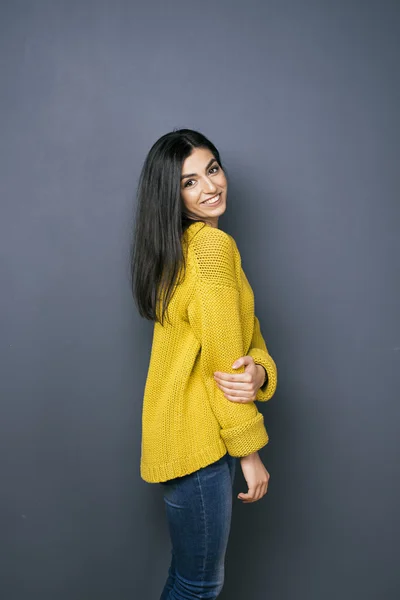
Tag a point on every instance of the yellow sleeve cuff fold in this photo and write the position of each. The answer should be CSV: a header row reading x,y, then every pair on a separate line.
x,y
246,438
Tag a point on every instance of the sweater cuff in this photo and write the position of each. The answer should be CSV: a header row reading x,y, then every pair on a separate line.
x,y
264,359
247,438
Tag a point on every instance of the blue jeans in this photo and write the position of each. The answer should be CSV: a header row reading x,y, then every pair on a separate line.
x,y
199,509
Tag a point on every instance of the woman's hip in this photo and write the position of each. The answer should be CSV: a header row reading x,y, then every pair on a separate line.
x,y
199,510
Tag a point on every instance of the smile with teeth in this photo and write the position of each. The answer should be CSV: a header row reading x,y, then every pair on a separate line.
x,y
212,200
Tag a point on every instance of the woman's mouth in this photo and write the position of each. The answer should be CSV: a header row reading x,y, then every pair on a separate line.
x,y
213,201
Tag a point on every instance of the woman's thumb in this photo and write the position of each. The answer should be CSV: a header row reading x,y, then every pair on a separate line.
x,y
243,360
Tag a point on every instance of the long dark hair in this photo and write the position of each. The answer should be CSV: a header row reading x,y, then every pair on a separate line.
x,y
157,257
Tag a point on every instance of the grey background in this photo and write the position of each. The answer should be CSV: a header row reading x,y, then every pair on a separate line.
x,y
302,100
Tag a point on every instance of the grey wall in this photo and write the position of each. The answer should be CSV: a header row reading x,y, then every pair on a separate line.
x,y
302,99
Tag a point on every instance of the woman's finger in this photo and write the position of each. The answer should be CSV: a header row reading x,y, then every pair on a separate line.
x,y
260,491
234,385
239,396
248,496
233,390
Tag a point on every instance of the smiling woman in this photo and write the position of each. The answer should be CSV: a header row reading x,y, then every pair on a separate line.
x,y
203,186
209,361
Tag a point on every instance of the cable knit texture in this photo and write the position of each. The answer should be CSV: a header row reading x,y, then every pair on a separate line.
x,y
187,423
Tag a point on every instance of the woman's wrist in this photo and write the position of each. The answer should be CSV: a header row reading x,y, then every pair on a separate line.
x,y
250,457
263,375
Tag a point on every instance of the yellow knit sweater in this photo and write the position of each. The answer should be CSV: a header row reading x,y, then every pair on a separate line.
x,y
187,423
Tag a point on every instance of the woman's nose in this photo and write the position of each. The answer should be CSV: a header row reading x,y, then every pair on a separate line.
x,y
209,185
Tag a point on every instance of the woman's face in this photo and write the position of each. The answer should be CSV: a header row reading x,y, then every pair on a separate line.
x,y
203,179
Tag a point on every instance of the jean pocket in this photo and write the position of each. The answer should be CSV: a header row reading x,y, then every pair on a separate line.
x,y
173,504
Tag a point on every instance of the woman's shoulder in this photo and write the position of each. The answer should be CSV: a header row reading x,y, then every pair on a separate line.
x,y
200,235
214,253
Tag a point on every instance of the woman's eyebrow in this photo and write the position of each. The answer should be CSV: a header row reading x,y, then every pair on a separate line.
x,y
194,174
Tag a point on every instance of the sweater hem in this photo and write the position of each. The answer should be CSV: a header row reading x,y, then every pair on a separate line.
x,y
155,473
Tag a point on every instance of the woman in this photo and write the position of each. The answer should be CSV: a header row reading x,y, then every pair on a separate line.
x,y
208,363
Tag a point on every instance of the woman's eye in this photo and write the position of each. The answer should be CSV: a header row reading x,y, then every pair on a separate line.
x,y
213,169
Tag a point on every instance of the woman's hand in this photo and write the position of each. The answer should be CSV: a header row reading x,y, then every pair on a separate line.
x,y
256,476
241,387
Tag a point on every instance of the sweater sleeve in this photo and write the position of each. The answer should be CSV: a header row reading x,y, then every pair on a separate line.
x,y
214,314
259,352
